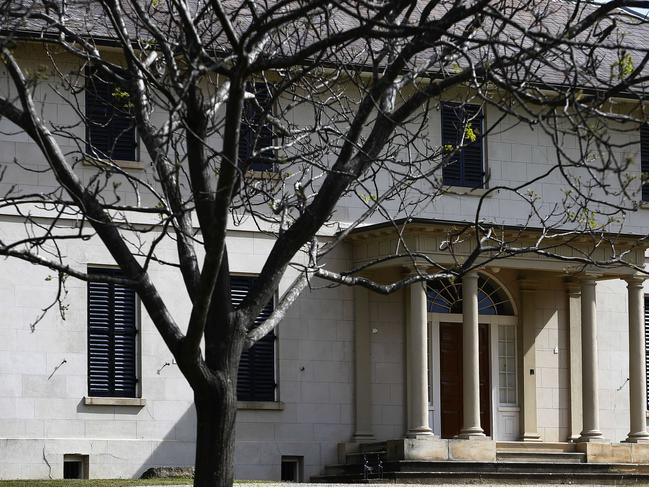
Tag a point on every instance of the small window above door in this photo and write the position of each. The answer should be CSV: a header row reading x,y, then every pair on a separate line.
x,y
445,296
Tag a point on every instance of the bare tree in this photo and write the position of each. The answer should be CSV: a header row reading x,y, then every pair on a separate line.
x,y
336,99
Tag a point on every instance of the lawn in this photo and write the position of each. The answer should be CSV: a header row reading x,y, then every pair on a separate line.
x,y
94,482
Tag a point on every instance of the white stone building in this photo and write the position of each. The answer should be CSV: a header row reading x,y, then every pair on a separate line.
x,y
539,353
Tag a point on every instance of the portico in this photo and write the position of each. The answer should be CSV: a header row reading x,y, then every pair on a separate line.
x,y
476,352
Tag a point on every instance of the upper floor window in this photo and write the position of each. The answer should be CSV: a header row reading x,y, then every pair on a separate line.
x,y
110,127
256,378
644,160
256,133
462,125
112,332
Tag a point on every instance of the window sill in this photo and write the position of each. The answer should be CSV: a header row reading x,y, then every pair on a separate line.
x,y
114,401
260,405
463,191
89,161
644,205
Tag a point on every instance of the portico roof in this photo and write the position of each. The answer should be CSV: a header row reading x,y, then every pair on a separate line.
x,y
431,242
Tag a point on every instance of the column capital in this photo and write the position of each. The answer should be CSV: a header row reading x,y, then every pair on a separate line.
x,y
588,278
473,274
635,280
572,285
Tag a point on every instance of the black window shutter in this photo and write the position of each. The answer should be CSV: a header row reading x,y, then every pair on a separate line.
x,y
451,172
256,377
466,167
110,128
646,343
644,158
256,134
111,338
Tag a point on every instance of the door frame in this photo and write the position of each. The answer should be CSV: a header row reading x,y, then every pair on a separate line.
x,y
434,388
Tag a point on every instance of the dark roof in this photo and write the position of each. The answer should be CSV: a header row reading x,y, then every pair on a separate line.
x,y
511,23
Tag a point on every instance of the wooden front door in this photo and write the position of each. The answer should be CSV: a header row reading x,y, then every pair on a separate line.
x,y
450,345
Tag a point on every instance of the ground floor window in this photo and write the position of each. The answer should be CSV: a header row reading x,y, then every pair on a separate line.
x,y
257,375
112,333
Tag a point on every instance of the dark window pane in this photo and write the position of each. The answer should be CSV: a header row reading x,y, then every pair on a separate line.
x,y
256,133
465,167
110,127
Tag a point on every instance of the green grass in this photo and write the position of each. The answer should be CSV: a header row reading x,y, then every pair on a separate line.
x,y
94,483
110,482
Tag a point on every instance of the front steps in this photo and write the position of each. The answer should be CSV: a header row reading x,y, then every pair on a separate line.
x,y
517,452
515,463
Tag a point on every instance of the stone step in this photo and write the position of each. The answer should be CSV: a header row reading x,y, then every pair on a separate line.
x,y
356,458
396,467
372,447
539,456
535,446
527,478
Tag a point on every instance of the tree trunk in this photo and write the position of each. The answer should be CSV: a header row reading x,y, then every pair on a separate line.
x,y
216,415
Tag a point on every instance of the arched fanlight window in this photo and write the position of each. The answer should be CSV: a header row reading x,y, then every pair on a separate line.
x,y
445,296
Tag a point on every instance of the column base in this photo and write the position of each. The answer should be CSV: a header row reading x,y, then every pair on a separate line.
x,y
432,449
363,437
592,436
531,437
639,437
472,433
420,433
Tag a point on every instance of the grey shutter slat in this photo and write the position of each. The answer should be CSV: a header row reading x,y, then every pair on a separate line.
x,y
125,381
472,164
466,168
111,338
644,158
99,330
451,172
256,375
646,343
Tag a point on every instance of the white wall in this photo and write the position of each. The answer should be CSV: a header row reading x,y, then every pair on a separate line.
x,y
43,415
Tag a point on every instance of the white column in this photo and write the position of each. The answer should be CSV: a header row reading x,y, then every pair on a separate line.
x,y
362,367
528,418
470,361
637,374
574,318
417,361
589,366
